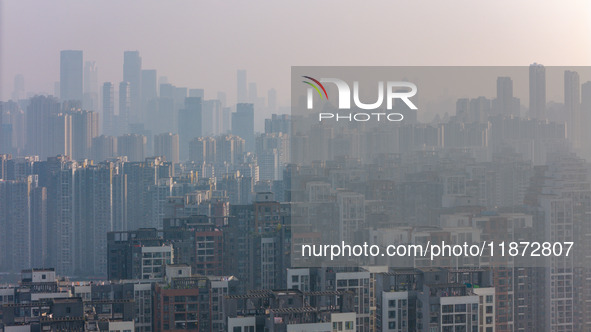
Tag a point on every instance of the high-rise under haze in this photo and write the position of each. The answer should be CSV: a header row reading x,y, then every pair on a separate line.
x,y
124,107
242,94
90,101
149,88
167,145
108,108
190,123
572,105
505,103
71,85
243,124
537,91
132,73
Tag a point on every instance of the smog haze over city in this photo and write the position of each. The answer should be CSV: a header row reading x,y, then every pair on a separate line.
x,y
295,166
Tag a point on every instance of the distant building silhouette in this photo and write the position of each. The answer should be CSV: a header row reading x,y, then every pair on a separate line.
x,y
109,109
132,73
537,91
71,75
167,145
242,94
243,124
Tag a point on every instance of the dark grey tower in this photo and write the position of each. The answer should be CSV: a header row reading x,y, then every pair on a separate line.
x,y
537,91
71,83
243,124
132,73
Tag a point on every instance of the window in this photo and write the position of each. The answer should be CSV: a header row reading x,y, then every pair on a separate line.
x,y
448,319
392,303
489,299
237,329
460,308
392,314
392,325
349,325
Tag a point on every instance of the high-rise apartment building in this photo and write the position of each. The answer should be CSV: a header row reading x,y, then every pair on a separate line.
x,y
241,87
133,146
572,107
190,124
85,127
167,145
243,125
123,120
109,124
91,96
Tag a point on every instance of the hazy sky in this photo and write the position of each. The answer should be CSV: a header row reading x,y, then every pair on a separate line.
x,y
200,44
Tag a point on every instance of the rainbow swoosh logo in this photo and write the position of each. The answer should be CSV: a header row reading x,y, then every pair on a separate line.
x,y
318,84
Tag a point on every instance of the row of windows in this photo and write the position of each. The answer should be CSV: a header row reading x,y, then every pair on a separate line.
x,y
338,326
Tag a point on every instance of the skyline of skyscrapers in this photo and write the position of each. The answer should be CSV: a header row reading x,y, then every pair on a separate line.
x,y
194,189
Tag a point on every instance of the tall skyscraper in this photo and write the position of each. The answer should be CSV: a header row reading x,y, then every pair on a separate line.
x,y
60,210
190,124
212,118
90,101
272,100
15,223
253,94
85,126
39,137
104,147
124,107
586,116
243,125
93,217
108,109
132,73
242,94
60,127
167,145
572,105
39,230
149,86
202,150
537,91
505,103
71,87
3,145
